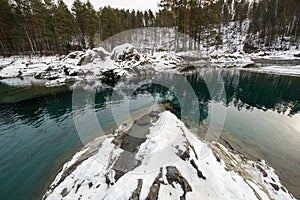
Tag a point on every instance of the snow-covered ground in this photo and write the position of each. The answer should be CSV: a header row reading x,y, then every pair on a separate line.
x,y
231,60
95,64
276,62
172,163
126,61
286,70
291,54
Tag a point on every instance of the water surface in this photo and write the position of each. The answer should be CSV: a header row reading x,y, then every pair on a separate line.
x,y
38,135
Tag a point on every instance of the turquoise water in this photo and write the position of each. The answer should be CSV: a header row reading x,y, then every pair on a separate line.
x,y
38,135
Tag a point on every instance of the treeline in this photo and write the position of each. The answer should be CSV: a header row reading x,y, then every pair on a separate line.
x,y
276,20
48,27
270,20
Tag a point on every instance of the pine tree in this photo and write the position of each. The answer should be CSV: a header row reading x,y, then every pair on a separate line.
x,y
50,35
139,19
172,6
146,18
91,23
6,17
78,12
133,19
64,27
151,18
110,23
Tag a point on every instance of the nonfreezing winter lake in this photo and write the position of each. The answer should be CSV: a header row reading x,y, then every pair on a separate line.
x,y
38,135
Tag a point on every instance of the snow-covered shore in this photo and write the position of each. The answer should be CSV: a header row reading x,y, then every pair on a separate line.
x,y
126,61
274,62
95,64
171,163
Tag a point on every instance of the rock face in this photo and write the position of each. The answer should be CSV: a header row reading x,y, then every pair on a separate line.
x,y
171,163
110,77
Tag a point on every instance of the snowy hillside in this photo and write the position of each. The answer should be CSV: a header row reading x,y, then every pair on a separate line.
x,y
171,163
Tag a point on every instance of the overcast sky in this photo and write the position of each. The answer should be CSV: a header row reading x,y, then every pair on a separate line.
x,y
127,4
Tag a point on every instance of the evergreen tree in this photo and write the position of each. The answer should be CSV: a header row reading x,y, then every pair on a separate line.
x,y
139,19
64,27
151,18
146,18
110,23
48,26
91,23
6,19
79,14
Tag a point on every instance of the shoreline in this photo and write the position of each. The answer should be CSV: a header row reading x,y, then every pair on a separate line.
x,y
125,61
19,90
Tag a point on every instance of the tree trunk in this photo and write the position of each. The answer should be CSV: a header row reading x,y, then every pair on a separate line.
x,y
30,42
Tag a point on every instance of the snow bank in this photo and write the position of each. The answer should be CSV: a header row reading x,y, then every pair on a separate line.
x,y
166,61
231,60
89,65
126,61
282,70
292,54
171,166
120,52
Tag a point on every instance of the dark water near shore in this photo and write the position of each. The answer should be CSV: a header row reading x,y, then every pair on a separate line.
x,y
38,135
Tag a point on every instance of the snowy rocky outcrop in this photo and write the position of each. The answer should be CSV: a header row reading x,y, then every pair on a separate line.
x,y
127,61
94,64
169,163
231,60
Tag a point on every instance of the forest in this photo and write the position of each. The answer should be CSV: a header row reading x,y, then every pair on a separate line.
x,y
47,27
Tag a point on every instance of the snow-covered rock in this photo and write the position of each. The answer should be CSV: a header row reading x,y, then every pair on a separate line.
x,y
171,163
231,60
123,52
127,61
93,64
164,60
74,58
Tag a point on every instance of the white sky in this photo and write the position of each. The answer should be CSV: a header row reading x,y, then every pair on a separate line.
x,y
126,4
